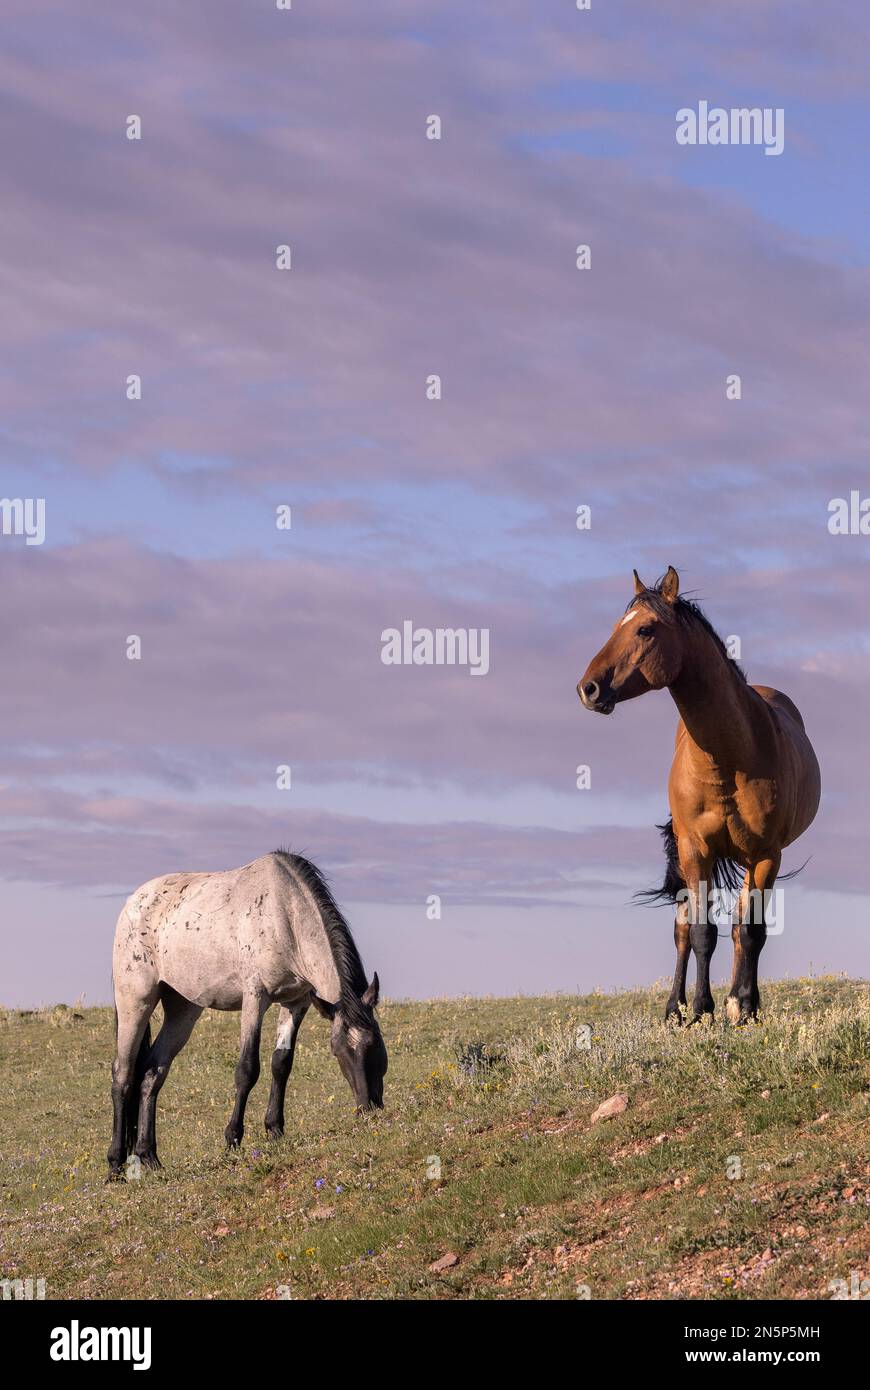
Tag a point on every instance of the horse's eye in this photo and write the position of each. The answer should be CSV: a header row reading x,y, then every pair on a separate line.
x,y
645,631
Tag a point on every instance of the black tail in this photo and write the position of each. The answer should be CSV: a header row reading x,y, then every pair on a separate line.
x,y
132,1116
674,881
727,875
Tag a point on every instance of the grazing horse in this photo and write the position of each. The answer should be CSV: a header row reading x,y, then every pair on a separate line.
x,y
268,933
744,781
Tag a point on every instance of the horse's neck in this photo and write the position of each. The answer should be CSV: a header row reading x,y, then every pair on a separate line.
x,y
316,962
715,705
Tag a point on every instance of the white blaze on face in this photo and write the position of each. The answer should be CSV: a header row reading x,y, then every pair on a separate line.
x,y
635,613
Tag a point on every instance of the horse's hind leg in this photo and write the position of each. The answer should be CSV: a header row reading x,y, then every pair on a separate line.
x,y
179,1017
677,997
282,1064
749,934
132,1011
254,1007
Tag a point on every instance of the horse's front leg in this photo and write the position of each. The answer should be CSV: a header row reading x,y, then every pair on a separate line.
x,y
702,932
677,997
254,1007
282,1064
749,933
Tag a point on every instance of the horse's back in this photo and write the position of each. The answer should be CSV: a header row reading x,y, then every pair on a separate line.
x,y
160,898
796,746
780,701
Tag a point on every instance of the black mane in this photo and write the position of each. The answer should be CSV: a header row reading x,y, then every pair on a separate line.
x,y
685,612
348,965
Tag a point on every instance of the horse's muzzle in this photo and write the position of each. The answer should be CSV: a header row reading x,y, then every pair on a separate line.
x,y
594,697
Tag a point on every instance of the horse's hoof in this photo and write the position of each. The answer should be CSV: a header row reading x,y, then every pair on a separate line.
x,y
674,1015
150,1161
275,1131
233,1145
116,1175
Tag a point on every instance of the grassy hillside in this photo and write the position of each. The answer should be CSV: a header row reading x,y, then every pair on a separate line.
x,y
533,1200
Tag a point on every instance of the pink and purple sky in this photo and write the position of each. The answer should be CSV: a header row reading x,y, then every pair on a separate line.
x,y
561,387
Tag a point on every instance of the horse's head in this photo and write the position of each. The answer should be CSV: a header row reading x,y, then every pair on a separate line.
x,y
358,1045
644,651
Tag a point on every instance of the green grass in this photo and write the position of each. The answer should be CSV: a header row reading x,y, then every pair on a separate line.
x,y
533,1200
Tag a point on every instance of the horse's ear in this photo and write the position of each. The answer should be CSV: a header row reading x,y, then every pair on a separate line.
x,y
671,585
639,586
324,1008
372,994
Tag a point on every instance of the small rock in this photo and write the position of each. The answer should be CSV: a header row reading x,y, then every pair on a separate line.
x,y
446,1262
321,1213
608,1108
765,1095
221,1231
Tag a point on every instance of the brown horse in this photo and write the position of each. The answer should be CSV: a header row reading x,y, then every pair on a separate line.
x,y
744,781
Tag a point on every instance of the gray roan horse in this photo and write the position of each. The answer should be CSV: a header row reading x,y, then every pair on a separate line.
x,y
268,933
